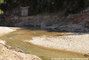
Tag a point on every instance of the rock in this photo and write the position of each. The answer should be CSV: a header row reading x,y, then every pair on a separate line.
x,y
73,28
52,28
86,55
2,42
7,54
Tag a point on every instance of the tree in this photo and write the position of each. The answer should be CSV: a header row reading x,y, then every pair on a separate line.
x,y
38,6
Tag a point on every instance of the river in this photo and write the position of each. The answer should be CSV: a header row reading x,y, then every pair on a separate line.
x,y
16,39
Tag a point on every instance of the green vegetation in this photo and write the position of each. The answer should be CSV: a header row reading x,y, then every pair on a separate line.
x,y
1,1
1,12
41,6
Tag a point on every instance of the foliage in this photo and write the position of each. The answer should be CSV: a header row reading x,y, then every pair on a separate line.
x,y
1,1
1,12
39,6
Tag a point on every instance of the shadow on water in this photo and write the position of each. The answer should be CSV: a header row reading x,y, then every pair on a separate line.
x,y
59,31
50,30
74,33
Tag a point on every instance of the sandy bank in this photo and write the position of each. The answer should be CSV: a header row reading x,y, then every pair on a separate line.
x,y
5,30
77,43
8,54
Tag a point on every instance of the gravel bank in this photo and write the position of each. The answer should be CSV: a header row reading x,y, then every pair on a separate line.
x,y
75,42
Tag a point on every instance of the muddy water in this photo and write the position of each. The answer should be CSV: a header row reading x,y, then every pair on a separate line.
x,y
16,39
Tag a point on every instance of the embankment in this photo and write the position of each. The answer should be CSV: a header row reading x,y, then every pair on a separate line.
x,y
7,53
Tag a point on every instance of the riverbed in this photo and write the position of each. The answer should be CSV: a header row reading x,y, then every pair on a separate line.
x,y
17,38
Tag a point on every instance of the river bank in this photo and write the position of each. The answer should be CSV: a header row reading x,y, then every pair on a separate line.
x,y
17,38
12,53
76,42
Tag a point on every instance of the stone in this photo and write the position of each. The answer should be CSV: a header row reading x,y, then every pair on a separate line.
x,y
73,28
24,11
86,55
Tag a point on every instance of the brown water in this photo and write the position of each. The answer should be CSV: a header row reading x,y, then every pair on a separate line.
x,y
16,39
